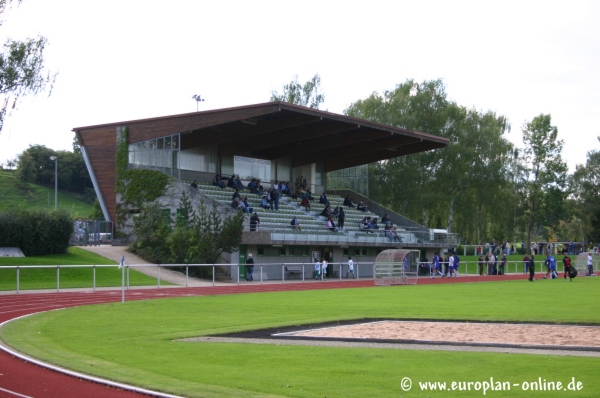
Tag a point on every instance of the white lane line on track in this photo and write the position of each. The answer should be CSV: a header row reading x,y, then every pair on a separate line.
x,y
16,394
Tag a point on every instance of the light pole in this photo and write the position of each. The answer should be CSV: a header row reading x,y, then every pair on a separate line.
x,y
55,180
198,98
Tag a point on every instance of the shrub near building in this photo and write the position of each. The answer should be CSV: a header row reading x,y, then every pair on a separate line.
x,y
36,232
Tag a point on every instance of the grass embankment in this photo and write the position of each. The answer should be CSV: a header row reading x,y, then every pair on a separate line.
x,y
14,194
134,342
45,278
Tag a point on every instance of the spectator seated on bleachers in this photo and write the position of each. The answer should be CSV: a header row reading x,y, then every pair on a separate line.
x,y
348,202
386,220
309,194
330,225
323,199
194,184
391,234
336,212
260,188
361,206
365,224
295,224
217,181
327,213
246,207
238,183
235,204
264,204
373,224
236,194
252,186
305,203
231,182
284,187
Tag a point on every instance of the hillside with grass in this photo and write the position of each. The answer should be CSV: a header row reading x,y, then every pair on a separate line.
x,y
15,194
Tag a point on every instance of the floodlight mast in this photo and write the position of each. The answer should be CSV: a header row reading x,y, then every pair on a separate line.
x,y
198,98
55,159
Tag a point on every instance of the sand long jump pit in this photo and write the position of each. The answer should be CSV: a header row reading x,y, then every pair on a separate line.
x,y
573,340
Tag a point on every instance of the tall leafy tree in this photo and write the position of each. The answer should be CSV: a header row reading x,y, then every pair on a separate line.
x,y
585,184
307,94
22,70
545,172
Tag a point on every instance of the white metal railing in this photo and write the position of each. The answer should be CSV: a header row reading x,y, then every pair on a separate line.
x,y
511,267
335,270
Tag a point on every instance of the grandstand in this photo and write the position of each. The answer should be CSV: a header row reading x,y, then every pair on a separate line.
x,y
274,141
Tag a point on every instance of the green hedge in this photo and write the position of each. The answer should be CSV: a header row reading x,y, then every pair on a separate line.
x,y
36,232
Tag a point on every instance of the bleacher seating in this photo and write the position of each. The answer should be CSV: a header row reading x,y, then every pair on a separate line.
x,y
311,222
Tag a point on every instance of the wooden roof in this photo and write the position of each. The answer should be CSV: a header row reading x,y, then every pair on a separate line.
x,y
278,129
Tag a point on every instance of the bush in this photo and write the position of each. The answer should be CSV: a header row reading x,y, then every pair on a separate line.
x,y
36,232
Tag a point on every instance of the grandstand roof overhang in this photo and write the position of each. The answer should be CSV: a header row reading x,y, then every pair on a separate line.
x,y
278,129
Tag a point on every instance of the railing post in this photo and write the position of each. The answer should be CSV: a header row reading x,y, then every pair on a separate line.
x,y
158,279
94,277
282,273
186,275
302,273
238,273
341,267
17,279
213,272
58,278
261,274
122,280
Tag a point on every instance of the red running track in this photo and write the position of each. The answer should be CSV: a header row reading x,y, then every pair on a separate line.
x,y
19,378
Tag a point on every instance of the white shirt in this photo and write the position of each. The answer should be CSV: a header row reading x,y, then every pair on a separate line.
x,y
590,259
318,266
451,262
324,265
350,265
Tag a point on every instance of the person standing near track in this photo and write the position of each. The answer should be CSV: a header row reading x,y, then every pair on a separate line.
x,y
350,268
567,266
531,268
456,263
550,266
502,264
590,264
324,269
450,266
317,269
481,262
249,268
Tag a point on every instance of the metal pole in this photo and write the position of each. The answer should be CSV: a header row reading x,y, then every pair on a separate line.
x,y
57,278
261,274
55,183
302,273
282,273
238,274
213,269
17,279
186,276
94,273
158,279
123,280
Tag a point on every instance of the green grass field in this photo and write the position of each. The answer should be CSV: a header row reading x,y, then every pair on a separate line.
x,y
135,342
13,195
45,278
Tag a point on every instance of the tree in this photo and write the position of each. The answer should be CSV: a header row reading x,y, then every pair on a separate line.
x,y
439,186
199,235
545,171
22,70
305,95
585,184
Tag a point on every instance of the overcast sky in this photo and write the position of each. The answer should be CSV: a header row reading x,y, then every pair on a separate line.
x,y
121,60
